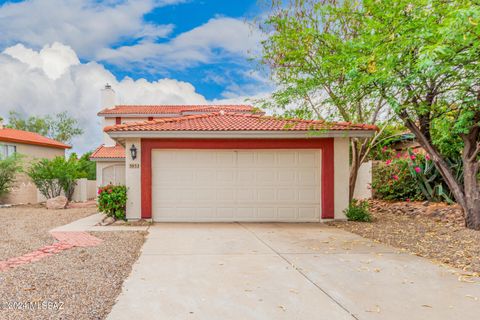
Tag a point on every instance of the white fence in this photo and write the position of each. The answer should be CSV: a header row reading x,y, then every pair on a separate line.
x,y
85,190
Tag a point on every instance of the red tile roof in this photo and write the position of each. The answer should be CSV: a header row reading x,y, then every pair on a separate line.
x,y
25,137
220,121
116,151
172,109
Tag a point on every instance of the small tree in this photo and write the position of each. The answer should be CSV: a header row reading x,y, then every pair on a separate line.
x,y
54,176
9,167
307,53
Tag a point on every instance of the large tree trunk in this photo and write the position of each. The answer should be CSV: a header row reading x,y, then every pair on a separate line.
x,y
455,187
470,171
468,195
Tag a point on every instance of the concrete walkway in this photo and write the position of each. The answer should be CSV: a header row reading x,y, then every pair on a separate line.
x,y
286,271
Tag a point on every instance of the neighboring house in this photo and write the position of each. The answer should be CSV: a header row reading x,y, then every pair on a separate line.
x,y
232,165
31,146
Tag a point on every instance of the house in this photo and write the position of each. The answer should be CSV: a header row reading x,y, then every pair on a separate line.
x,y
223,163
110,156
31,146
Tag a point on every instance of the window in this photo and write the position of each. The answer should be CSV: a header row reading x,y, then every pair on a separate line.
x,y
7,150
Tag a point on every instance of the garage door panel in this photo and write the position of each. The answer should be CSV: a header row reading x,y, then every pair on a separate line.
x,y
265,177
307,177
245,177
286,177
236,185
288,213
308,160
286,159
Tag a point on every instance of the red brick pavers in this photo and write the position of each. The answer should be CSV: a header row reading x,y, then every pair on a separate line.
x,y
66,240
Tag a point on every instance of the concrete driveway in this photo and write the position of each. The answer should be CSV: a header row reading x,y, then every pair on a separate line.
x,y
286,271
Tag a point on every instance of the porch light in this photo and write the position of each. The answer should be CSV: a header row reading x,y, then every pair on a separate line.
x,y
133,152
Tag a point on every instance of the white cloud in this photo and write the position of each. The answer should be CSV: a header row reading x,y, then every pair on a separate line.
x,y
219,38
33,84
85,25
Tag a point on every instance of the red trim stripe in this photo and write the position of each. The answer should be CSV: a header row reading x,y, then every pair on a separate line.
x,y
326,145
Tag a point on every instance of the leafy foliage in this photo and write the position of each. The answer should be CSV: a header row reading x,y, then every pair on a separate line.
x,y
52,176
394,181
9,167
86,168
112,200
358,211
61,127
307,52
420,57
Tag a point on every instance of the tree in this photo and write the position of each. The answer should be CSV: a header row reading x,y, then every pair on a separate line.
x,y
52,176
9,167
62,127
422,58
307,51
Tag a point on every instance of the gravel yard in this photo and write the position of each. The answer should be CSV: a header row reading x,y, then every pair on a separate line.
x,y
433,231
80,283
25,228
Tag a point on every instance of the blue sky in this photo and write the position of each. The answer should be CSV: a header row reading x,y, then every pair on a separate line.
x,y
56,55
187,16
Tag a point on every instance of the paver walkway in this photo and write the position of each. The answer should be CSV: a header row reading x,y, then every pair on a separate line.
x,y
66,240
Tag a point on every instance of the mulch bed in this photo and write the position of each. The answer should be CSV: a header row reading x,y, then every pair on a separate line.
x,y
433,231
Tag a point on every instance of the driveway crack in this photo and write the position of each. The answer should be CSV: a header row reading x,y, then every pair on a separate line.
x,y
299,271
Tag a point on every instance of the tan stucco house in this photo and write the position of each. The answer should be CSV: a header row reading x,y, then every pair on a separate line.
x,y
31,146
225,163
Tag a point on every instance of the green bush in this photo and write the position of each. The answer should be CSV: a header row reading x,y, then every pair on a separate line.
x,y
112,200
52,176
9,167
358,211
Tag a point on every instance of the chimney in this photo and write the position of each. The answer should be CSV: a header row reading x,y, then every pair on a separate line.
x,y
107,97
1,123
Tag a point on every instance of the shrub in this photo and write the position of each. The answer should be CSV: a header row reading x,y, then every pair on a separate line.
x,y
9,167
112,200
358,211
52,176
393,180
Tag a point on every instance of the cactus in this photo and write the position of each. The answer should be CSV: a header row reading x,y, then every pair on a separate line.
x,y
429,179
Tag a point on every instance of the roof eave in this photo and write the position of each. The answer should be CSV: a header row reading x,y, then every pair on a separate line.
x,y
34,143
243,134
111,159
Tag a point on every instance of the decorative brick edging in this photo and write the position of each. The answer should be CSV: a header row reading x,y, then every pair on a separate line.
x,y
66,240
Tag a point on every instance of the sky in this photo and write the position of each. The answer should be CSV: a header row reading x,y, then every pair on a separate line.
x,y
56,55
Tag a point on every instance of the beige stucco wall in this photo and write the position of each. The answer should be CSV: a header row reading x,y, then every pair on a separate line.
x,y
32,152
23,190
342,175
133,180
363,186
106,138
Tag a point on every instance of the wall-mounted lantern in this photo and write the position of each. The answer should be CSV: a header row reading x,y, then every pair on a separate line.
x,y
133,152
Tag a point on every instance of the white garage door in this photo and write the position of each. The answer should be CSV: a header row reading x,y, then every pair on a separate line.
x,y
236,185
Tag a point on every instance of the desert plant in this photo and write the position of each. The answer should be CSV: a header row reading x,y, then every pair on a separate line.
x,y
112,200
9,167
52,176
358,211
